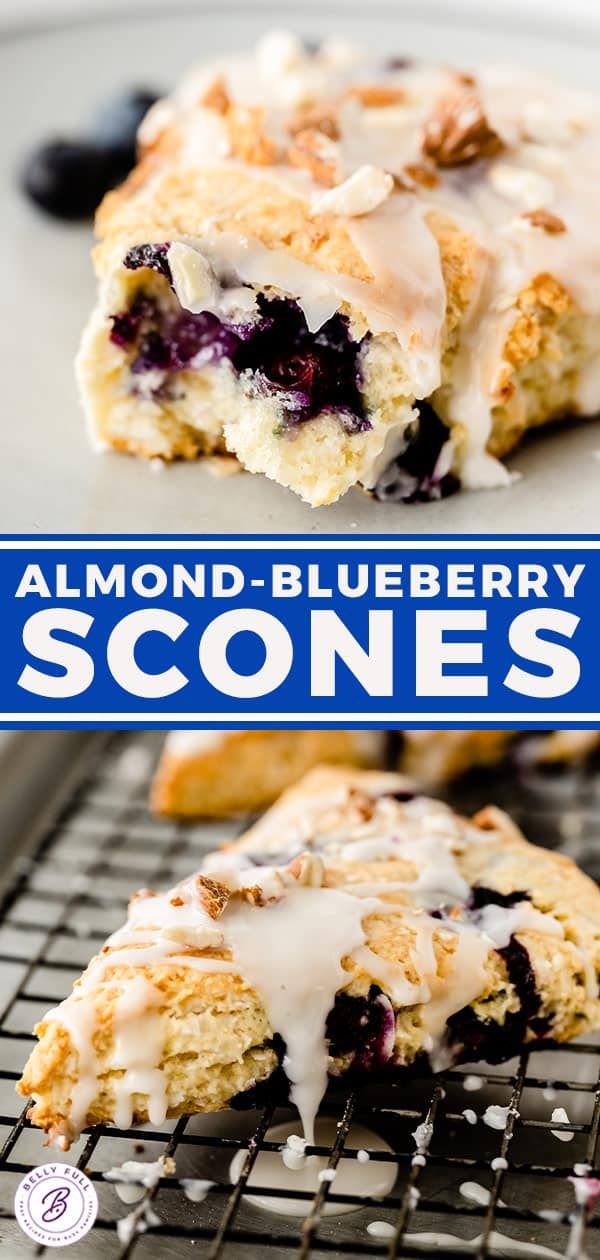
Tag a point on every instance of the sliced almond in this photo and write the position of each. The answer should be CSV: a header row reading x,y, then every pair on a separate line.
x,y
307,869
361,193
212,896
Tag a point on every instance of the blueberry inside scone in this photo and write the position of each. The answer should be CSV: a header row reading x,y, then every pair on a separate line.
x,y
347,271
358,929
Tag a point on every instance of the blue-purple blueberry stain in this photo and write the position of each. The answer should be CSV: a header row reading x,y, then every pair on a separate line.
x,y
310,372
362,1029
413,476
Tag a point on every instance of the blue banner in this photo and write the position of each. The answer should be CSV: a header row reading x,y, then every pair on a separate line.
x,y
298,631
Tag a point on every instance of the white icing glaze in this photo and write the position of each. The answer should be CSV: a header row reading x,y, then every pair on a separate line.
x,y
472,1083
559,1116
496,1117
296,946
551,160
352,1177
196,1188
475,1193
188,743
282,954
134,1177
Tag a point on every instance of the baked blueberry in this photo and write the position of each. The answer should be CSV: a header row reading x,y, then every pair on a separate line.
x,y
415,476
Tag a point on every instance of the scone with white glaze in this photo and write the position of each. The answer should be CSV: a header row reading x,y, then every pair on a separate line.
x,y
350,271
220,773
356,930
434,758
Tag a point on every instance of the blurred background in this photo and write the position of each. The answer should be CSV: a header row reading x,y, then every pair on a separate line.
x,y
19,12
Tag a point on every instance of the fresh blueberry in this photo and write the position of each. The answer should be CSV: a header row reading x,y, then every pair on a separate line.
x,y
68,178
116,124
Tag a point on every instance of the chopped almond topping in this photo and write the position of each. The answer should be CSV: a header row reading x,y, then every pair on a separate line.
x,y
141,895
257,895
361,193
544,219
212,895
377,95
247,136
458,131
317,154
309,118
254,895
307,869
417,174
216,96
486,819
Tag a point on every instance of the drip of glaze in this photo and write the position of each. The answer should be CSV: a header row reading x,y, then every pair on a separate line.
x,y
292,953
138,1044
196,1189
500,1244
372,1178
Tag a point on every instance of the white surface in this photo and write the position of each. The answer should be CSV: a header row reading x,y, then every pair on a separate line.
x,y
50,81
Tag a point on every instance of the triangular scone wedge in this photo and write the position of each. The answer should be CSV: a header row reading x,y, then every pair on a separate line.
x,y
358,928
220,773
433,758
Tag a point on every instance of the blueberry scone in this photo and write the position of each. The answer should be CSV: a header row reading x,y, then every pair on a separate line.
x,y
433,758
219,773
350,271
356,930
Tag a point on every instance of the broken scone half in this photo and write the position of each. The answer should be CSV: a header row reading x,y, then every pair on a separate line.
x,y
356,930
348,272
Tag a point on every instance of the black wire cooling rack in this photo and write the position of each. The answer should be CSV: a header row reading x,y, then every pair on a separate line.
x,y
65,898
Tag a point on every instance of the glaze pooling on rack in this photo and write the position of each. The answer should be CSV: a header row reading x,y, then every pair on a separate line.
x,y
298,940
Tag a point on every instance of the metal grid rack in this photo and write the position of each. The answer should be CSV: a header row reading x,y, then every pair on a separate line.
x,y
100,845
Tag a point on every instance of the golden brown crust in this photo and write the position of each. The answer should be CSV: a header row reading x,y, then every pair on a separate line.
x,y
245,770
259,176
215,1030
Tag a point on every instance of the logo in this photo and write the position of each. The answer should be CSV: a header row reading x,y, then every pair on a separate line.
x,y
56,1205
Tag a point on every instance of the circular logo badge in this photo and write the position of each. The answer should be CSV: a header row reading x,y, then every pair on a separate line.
x,y
56,1204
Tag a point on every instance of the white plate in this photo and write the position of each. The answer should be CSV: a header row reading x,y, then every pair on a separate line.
x,y
50,81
